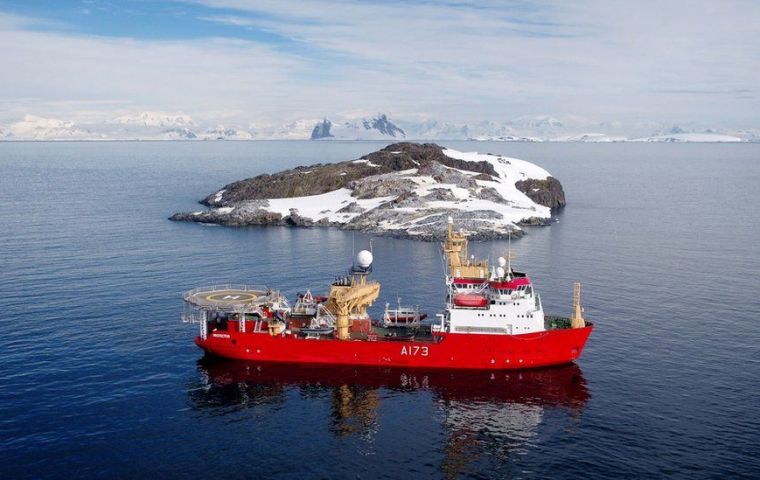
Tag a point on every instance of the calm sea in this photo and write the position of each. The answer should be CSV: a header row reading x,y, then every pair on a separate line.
x,y
100,379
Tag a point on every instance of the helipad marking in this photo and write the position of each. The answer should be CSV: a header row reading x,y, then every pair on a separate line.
x,y
230,297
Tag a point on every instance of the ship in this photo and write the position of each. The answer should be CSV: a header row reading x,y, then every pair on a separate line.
x,y
493,319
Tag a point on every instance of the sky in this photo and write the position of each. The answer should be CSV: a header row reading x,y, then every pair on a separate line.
x,y
264,61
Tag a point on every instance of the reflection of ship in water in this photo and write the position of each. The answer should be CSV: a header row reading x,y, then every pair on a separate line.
x,y
484,413
354,410
562,386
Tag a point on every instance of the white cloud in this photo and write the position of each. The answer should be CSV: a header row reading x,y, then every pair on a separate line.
x,y
635,61
605,58
52,72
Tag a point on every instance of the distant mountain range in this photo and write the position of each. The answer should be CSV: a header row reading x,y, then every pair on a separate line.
x,y
536,128
377,127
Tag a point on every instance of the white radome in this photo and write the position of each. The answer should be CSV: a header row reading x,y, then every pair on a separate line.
x,y
500,272
364,258
502,261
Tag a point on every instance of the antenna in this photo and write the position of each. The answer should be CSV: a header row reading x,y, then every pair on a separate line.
x,y
509,253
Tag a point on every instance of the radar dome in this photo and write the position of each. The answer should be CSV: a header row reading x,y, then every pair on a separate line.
x,y
502,261
500,272
364,259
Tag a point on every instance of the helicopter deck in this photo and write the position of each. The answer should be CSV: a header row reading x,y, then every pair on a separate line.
x,y
228,297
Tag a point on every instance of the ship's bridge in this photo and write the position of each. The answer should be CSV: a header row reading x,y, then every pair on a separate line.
x,y
517,283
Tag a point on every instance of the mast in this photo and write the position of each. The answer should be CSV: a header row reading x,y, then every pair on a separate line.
x,y
577,320
509,254
455,250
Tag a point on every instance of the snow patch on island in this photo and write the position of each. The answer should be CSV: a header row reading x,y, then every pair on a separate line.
x,y
370,164
324,206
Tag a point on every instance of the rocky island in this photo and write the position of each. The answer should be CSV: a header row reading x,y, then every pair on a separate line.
x,y
404,190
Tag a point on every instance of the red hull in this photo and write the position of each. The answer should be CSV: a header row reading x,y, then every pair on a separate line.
x,y
452,351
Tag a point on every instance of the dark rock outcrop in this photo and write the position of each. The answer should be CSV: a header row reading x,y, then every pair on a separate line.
x,y
321,178
296,220
236,219
548,192
380,186
352,207
441,194
490,193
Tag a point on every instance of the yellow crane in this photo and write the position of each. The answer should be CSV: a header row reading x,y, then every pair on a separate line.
x,y
352,296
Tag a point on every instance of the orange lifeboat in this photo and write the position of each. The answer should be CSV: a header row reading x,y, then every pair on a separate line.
x,y
473,300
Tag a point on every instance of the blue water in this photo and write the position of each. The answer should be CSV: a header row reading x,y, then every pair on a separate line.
x,y
100,379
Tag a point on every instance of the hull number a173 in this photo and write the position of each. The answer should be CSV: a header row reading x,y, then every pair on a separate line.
x,y
415,350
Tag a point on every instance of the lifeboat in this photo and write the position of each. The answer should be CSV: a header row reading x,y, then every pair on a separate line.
x,y
470,300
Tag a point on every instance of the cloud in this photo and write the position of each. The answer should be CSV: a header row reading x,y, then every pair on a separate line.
x,y
694,91
234,20
204,75
461,61
603,58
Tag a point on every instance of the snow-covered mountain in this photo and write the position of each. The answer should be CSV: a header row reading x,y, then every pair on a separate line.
x,y
295,130
220,132
431,129
690,137
40,128
589,138
156,119
178,133
375,128
152,125
322,130
544,123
